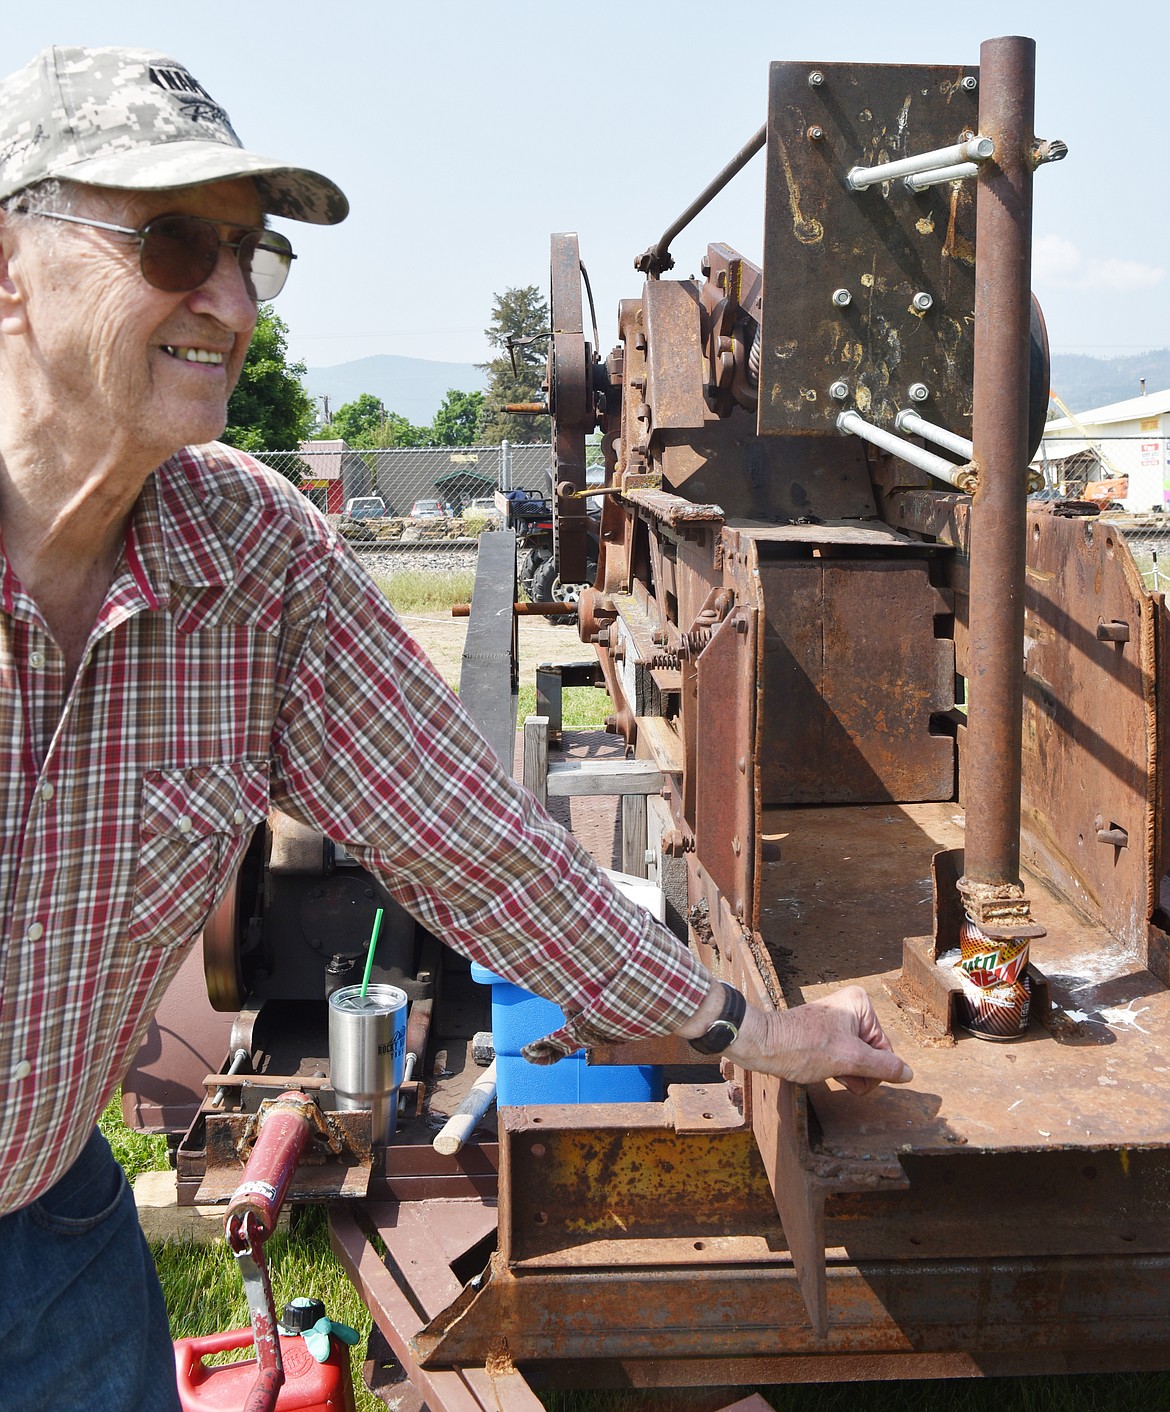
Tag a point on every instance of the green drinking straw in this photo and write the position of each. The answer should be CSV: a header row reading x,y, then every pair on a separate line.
x,y
370,953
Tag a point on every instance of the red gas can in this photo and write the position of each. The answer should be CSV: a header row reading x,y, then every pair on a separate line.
x,y
309,1386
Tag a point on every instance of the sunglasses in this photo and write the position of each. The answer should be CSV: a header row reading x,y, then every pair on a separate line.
x,y
179,253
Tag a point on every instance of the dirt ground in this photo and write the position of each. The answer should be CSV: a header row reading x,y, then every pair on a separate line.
x,y
442,638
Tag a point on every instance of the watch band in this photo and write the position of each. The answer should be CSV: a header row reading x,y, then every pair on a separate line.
x,y
721,1032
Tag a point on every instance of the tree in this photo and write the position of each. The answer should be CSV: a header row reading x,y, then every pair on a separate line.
x,y
270,409
517,313
355,421
457,420
366,425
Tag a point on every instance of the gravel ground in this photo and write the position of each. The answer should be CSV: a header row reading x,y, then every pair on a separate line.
x,y
425,558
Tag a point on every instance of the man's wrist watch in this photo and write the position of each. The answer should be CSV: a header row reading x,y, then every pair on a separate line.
x,y
721,1032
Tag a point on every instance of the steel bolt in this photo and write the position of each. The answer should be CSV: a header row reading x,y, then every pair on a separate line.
x,y
816,78
1113,632
839,391
919,392
922,300
970,83
842,298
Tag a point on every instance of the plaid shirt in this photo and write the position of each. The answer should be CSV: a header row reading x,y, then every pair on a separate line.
x,y
243,660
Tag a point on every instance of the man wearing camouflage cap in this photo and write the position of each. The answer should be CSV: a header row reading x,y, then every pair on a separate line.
x,y
185,643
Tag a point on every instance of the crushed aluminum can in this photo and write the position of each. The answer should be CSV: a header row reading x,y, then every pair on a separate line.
x,y
996,993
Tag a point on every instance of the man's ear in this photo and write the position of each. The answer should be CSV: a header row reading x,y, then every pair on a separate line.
x,y
12,307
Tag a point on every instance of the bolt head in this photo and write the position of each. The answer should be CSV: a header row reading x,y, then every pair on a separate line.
x,y
919,392
839,391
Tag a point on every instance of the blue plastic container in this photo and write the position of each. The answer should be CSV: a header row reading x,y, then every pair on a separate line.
x,y
518,1017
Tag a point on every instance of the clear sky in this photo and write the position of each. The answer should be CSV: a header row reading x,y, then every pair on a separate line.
x,y
464,133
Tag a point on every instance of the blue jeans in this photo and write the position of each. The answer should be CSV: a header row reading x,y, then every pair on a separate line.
x,y
82,1319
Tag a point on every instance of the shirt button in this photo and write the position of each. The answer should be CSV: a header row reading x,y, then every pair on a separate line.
x,y
22,1070
185,824
238,817
47,791
36,659
35,932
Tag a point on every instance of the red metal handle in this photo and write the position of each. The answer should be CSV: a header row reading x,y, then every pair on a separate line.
x,y
285,1128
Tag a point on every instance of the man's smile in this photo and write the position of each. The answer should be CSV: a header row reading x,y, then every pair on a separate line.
x,y
193,355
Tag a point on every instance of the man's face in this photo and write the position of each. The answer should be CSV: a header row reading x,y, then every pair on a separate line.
x,y
119,362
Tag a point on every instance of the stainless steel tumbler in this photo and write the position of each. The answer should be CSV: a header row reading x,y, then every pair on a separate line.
x,y
367,1052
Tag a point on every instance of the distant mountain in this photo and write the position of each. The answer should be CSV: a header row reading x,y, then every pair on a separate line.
x,y
412,387
415,387
1084,383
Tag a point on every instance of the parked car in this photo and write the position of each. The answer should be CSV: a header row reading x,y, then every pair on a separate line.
x,y
367,507
426,510
482,505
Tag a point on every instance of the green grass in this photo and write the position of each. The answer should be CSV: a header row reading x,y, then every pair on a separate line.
x,y
581,706
419,591
136,1152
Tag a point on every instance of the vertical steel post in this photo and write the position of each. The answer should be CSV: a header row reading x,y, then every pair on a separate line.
x,y
1003,293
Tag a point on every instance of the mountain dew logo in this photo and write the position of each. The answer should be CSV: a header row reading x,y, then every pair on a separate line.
x,y
1000,963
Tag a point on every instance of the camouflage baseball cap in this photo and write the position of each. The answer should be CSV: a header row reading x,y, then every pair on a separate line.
x,y
135,119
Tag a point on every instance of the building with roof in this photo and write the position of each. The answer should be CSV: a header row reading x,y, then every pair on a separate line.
x,y
1125,442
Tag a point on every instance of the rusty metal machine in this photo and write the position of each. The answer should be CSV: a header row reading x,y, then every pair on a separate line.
x,y
891,705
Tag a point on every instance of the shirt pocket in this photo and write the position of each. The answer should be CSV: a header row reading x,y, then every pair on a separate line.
x,y
195,826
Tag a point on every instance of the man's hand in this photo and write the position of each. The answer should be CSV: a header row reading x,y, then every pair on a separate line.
x,y
839,1037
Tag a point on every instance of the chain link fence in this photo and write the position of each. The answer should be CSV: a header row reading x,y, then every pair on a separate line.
x,y
442,497
1128,478
407,498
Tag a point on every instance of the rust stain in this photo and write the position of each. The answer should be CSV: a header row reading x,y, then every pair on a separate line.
x,y
956,245
807,230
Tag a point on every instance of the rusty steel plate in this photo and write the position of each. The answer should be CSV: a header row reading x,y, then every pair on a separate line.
x,y
674,355
854,679
1089,722
882,245
850,884
768,477
1063,1309
724,787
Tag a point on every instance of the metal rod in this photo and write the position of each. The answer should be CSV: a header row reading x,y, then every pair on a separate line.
x,y
657,258
974,149
1003,304
522,610
239,1058
854,424
912,424
937,175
